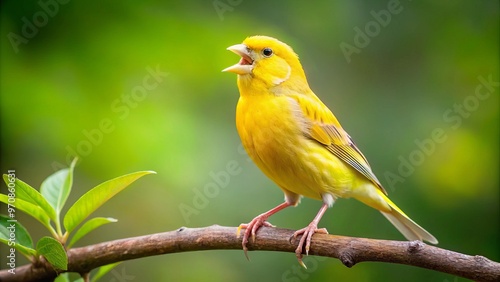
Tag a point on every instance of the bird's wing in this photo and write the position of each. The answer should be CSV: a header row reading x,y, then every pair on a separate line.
x,y
325,129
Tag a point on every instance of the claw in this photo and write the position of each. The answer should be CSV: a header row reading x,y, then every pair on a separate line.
x,y
251,231
238,231
245,251
253,226
307,234
306,238
302,263
322,231
245,238
254,230
268,224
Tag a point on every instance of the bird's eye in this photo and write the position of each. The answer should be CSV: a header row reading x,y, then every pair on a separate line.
x,y
267,52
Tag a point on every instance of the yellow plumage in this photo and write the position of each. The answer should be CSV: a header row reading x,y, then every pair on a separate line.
x,y
298,143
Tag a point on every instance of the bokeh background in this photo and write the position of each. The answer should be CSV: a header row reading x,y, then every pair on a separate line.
x,y
74,82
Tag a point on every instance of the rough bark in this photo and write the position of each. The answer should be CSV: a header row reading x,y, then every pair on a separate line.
x,y
349,250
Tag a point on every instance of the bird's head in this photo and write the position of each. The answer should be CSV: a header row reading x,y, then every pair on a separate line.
x,y
266,60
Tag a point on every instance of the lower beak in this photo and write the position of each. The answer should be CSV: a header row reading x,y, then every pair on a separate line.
x,y
245,65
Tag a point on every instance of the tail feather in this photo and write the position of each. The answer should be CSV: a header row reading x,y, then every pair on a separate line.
x,y
407,227
376,198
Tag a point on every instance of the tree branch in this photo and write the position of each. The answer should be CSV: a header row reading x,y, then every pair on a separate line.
x,y
349,250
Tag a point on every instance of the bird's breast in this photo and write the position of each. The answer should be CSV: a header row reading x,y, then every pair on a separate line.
x,y
268,127
273,132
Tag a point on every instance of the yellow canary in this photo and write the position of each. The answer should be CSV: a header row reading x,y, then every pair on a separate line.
x,y
298,142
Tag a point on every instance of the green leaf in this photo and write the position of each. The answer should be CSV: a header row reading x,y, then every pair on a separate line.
x,y
63,277
13,234
56,188
96,197
53,251
25,192
89,226
28,208
103,270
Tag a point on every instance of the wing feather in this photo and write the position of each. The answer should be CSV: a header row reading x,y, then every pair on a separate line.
x,y
326,130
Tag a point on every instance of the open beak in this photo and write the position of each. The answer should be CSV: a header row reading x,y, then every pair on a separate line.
x,y
245,65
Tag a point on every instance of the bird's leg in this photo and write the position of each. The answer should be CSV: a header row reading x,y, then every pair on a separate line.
x,y
307,234
254,225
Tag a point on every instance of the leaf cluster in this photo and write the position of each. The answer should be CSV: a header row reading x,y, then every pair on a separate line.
x,y
46,206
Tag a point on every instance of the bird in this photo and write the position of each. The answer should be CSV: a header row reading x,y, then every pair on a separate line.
x,y
297,142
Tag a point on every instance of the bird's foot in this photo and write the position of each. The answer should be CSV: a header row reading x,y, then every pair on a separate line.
x,y
251,229
307,234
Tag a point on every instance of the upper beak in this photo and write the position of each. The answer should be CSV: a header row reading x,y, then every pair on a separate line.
x,y
245,65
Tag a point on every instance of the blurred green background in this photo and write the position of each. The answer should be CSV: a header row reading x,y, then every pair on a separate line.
x,y
79,80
